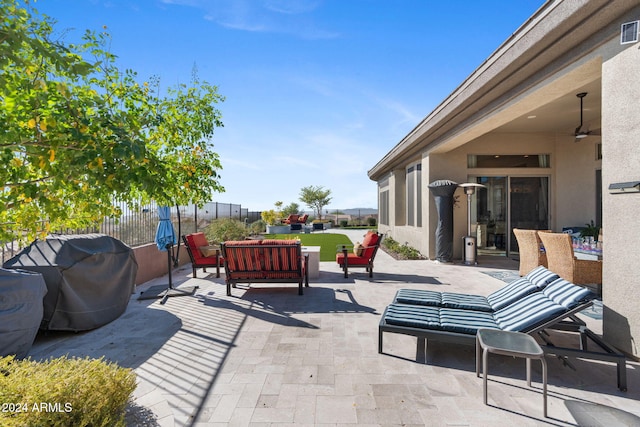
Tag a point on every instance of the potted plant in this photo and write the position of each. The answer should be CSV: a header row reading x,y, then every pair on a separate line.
x,y
591,230
273,218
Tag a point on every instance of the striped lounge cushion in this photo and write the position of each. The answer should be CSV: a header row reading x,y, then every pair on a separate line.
x,y
442,299
414,316
438,318
418,297
511,293
465,302
466,321
567,294
529,312
497,300
541,276
524,315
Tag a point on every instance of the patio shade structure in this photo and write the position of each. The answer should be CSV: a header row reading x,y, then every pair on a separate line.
x,y
165,239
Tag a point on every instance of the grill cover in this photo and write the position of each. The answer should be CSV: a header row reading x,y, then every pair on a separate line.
x,y
21,294
89,277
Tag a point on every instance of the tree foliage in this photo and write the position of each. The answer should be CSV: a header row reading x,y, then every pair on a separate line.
x,y
291,209
79,137
316,198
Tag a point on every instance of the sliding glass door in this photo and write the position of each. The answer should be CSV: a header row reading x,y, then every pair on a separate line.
x,y
529,205
507,203
491,215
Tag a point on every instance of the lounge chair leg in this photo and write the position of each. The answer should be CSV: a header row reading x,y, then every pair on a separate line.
x,y
421,350
485,373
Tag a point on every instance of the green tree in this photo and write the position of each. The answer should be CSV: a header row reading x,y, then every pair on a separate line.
x,y
316,198
291,208
77,133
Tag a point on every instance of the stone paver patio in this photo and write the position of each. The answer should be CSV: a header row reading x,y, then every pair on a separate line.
x,y
268,357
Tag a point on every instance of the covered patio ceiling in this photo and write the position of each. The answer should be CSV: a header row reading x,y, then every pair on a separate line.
x,y
562,115
551,107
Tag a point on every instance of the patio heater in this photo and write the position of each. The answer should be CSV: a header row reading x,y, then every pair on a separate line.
x,y
442,191
469,246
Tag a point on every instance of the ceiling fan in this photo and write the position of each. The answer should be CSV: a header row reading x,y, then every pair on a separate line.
x,y
583,131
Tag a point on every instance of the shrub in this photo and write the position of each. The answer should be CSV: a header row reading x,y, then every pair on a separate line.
x,y
344,223
223,229
258,227
271,216
371,221
64,392
401,251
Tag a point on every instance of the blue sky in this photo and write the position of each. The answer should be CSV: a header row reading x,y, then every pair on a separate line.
x,y
316,91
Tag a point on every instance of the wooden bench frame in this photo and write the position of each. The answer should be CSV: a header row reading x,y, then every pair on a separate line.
x,y
267,261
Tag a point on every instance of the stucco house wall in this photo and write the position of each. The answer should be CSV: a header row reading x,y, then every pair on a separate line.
x,y
621,220
561,50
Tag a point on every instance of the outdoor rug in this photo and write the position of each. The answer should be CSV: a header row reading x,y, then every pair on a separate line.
x,y
508,276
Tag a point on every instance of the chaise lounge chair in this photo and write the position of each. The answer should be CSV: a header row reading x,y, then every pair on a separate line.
x,y
536,280
554,307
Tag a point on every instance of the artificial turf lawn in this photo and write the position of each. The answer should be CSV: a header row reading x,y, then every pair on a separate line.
x,y
328,242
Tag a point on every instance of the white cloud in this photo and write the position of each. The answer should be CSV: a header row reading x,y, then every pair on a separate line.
x,y
294,17
292,7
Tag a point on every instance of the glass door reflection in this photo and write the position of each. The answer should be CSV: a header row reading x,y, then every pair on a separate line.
x,y
507,203
529,205
489,215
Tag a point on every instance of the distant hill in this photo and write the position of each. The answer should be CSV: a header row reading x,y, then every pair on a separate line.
x,y
359,211
352,211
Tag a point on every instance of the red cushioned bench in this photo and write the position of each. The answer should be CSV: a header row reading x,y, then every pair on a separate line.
x,y
265,261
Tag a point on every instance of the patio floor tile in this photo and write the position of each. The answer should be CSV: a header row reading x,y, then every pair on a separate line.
x,y
267,356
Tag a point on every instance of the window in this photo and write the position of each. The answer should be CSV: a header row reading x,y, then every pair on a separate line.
x,y
383,202
410,196
419,195
508,161
414,195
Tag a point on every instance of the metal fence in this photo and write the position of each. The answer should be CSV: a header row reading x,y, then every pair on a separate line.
x,y
138,226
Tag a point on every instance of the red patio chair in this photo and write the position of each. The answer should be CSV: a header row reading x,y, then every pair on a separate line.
x,y
193,243
347,257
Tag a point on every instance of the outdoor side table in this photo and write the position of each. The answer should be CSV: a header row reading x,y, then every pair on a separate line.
x,y
516,344
314,260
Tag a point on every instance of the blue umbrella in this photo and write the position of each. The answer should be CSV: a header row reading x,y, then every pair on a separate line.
x,y
165,234
165,239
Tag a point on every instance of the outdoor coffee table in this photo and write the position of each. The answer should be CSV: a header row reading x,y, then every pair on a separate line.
x,y
516,344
